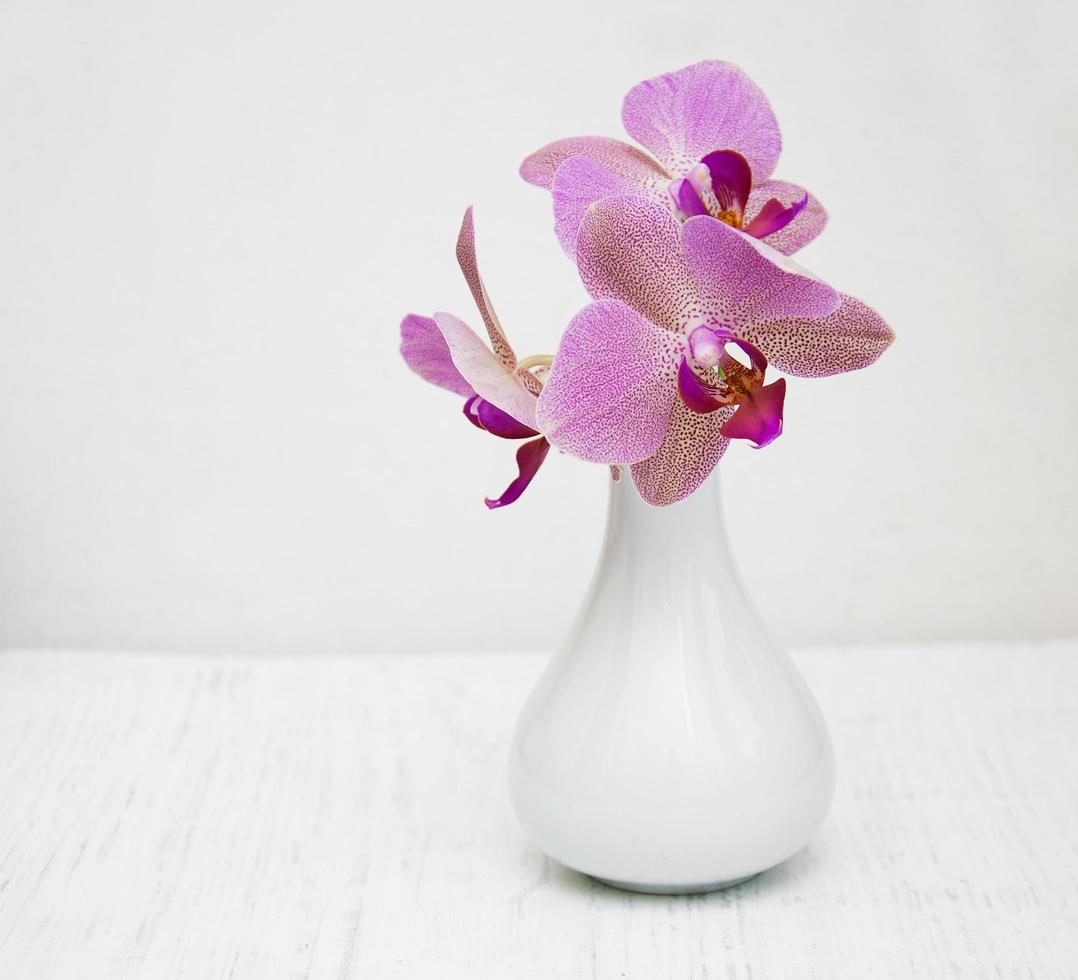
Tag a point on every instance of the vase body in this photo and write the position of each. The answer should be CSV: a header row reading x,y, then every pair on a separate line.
x,y
671,745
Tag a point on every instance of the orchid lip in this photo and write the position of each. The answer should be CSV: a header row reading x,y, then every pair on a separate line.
x,y
758,418
719,187
488,417
701,397
686,197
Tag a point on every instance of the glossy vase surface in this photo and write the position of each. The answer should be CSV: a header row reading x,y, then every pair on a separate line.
x,y
670,745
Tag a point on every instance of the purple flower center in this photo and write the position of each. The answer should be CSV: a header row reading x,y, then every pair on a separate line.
x,y
719,186
710,378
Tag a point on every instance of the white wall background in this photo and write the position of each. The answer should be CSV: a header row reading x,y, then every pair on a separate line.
x,y
214,214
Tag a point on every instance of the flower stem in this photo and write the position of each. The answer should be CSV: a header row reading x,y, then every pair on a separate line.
x,y
536,360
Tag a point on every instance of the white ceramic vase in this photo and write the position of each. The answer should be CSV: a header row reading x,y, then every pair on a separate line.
x,y
670,746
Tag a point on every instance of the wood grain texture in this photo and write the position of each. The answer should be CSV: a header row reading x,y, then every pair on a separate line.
x,y
341,818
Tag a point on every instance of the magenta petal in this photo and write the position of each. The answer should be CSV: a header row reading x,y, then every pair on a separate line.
x,y
698,395
712,105
530,457
578,184
609,393
774,216
850,338
614,156
762,223
425,351
495,421
687,199
743,281
759,417
471,412
629,249
800,229
731,179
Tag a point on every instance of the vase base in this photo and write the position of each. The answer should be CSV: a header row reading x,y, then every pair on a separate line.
x,y
713,886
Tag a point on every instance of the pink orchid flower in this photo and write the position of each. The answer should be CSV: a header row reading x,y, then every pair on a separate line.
x,y
647,375
715,141
500,392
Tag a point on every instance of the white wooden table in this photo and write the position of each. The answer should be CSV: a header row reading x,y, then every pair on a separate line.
x,y
166,817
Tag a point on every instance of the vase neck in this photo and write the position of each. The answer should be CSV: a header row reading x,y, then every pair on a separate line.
x,y
677,532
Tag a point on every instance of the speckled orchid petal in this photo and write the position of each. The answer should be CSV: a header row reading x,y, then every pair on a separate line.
x,y
530,380
612,385
848,339
492,419
469,265
484,372
731,179
759,415
578,184
802,227
425,351
530,457
712,105
743,281
692,446
614,156
629,249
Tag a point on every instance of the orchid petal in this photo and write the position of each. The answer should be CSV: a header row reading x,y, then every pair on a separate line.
x,y
711,105
689,452
774,216
579,183
486,375
469,265
629,249
850,338
533,378
530,457
771,217
743,281
471,411
759,415
615,156
498,423
425,351
801,228
611,386
731,179
687,199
